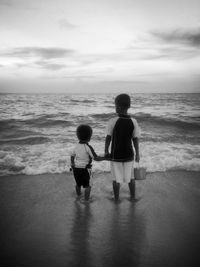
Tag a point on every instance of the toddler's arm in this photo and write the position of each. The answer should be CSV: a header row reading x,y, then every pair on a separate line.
x,y
72,161
99,158
93,154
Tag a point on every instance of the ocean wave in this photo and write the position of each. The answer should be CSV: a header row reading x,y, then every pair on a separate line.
x,y
146,118
191,123
82,101
55,158
166,156
103,116
41,121
10,164
28,114
35,136
48,120
171,138
6,124
28,140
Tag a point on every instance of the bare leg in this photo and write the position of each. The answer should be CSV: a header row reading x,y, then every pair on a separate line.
x,y
116,187
87,192
132,188
78,190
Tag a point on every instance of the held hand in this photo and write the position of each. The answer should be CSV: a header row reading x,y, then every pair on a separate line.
x,y
107,155
99,158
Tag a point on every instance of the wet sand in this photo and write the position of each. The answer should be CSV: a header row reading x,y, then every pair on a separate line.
x,y
43,224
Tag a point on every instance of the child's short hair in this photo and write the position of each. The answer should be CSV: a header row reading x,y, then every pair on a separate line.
x,y
123,100
84,132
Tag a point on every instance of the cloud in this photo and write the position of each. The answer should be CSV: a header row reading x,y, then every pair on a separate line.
x,y
42,64
43,53
6,2
177,44
65,24
174,52
125,82
180,36
50,66
83,76
18,4
22,65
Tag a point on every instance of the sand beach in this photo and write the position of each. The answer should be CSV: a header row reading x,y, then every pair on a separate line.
x,y
43,223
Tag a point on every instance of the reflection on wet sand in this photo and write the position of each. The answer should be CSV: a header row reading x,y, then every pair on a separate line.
x,y
116,239
127,234
80,234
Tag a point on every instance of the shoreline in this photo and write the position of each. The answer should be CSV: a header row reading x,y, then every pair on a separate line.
x,y
149,173
43,223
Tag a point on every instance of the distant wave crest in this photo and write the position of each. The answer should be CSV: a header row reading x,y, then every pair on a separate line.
x,y
103,116
41,121
28,140
165,121
74,101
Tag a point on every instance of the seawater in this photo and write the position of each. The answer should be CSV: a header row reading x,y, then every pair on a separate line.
x,y
38,131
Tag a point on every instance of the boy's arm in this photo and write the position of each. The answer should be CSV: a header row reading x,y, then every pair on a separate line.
x,y
107,144
136,146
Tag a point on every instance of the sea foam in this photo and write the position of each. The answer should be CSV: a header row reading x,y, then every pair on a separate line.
x,y
56,159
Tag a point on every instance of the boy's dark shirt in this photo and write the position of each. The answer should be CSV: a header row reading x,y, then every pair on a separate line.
x,y
121,147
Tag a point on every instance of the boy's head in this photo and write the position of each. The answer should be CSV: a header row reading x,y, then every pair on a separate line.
x,y
122,102
84,133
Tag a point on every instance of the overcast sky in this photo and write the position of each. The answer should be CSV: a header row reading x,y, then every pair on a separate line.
x,y
99,46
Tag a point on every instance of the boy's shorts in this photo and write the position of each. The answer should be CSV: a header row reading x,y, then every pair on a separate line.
x,y
122,171
82,176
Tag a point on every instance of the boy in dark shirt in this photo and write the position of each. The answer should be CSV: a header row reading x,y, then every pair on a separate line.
x,y
122,133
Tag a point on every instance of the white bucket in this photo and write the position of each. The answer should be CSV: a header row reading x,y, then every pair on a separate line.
x,y
139,173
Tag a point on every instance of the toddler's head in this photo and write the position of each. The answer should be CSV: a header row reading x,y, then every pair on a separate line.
x,y
84,133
